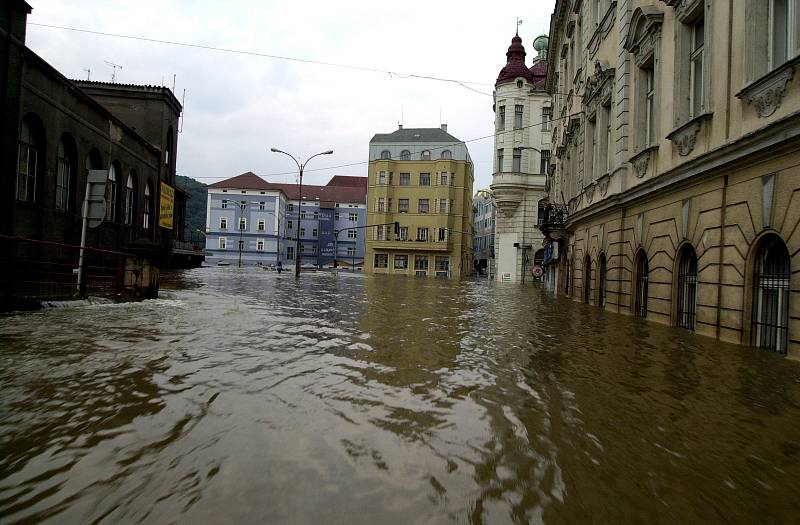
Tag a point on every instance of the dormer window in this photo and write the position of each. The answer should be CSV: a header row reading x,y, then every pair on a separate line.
x,y
519,83
425,155
385,155
405,155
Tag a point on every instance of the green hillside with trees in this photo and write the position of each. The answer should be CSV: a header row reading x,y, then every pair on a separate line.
x,y
195,207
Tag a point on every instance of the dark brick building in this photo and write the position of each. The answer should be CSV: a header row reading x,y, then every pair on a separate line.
x,y
54,131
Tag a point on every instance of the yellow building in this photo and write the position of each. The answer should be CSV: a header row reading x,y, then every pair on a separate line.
x,y
420,178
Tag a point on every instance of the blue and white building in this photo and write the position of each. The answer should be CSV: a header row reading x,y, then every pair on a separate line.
x,y
256,222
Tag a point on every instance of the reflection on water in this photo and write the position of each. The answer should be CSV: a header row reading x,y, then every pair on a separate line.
x,y
244,397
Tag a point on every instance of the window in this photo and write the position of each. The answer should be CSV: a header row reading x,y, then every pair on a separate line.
x,y
782,31
609,145
425,155
302,214
351,252
640,284
242,223
405,179
401,262
544,162
403,234
316,216
381,260
129,196
500,159
222,242
147,206
302,232
336,216
443,178
422,234
290,252
289,227
442,266
442,235
391,177
501,118
601,280
771,295
28,164
518,109
380,233
405,155
447,154
381,177
380,206
302,249
687,287
352,234
241,246
424,205
421,265
516,165
402,205
314,233
289,208
649,105
260,245
111,194
353,217
63,174
547,118
424,179
242,205
444,206
224,205
313,249
261,225
697,92
389,204
385,155
262,205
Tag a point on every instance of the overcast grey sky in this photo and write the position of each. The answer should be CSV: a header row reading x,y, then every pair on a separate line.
x,y
239,106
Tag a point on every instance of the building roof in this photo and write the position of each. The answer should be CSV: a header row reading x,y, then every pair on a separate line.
x,y
515,63
334,191
539,74
411,135
137,89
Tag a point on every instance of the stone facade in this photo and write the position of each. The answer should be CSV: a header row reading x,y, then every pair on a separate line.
x,y
678,148
484,222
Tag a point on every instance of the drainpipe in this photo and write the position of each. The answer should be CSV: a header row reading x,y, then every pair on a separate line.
x,y
721,255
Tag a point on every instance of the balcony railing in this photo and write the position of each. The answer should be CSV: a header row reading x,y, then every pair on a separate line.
x,y
552,219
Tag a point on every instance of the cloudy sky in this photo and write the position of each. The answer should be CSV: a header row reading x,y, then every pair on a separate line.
x,y
238,106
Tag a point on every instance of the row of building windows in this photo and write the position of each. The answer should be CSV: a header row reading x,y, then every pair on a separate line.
x,y
424,179
421,263
770,283
384,205
121,201
516,164
519,111
424,234
423,155
261,243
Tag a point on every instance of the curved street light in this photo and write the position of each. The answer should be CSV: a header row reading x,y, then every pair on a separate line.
x,y
300,167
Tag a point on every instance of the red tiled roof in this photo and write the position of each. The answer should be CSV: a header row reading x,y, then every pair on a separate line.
x,y
539,73
332,192
515,65
344,180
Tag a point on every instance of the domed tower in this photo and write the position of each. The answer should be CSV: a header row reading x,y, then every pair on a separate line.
x,y
521,158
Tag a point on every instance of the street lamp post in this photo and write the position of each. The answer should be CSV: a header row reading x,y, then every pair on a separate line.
x,y
300,167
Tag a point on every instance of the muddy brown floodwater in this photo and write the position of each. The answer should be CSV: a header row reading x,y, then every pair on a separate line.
x,y
245,397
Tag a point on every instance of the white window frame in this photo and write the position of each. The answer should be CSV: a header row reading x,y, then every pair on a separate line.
x,y
519,114
62,178
382,177
501,118
696,68
243,223
262,225
351,252
352,234
222,243
403,234
353,217
260,245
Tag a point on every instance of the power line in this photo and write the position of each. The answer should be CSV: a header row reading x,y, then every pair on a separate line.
x,y
438,148
264,55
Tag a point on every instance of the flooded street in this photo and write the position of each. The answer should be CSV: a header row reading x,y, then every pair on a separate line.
x,y
241,396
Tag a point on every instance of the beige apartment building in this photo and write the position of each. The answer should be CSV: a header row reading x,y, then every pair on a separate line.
x,y
676,189
421,179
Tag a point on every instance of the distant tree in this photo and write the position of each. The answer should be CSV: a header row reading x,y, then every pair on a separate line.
x,y
195,207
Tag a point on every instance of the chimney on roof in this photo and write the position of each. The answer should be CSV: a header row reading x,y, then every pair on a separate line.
x,y
399,126
444,128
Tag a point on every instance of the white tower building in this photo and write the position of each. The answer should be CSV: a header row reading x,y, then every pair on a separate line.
x,y
523,115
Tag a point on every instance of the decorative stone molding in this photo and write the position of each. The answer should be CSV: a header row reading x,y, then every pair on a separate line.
x,y
685,136
602,184
644,33
599,88
602,30
766,93
570,28
687,9
641,160
588,192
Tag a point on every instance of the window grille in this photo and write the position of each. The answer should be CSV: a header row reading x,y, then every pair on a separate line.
x,y
771,290
687,288
642,270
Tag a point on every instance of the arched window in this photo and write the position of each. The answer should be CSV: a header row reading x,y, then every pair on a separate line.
x,y
601,280
65,169
447,154
111,193
405,155
771,291
385,155
640,284
425,155
130,185
587,279
687,287
148,206
30,160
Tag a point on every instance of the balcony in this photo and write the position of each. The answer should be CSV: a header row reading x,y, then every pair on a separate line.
x,y
551,221
411,245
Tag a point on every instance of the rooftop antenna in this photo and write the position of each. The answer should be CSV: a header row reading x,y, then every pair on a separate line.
x,y
88,73
183,111
114,73
174,76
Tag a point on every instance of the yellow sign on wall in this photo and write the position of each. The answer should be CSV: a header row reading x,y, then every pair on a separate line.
x,y
167,207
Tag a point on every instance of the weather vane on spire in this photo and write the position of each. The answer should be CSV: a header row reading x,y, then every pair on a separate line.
x,y
519,23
